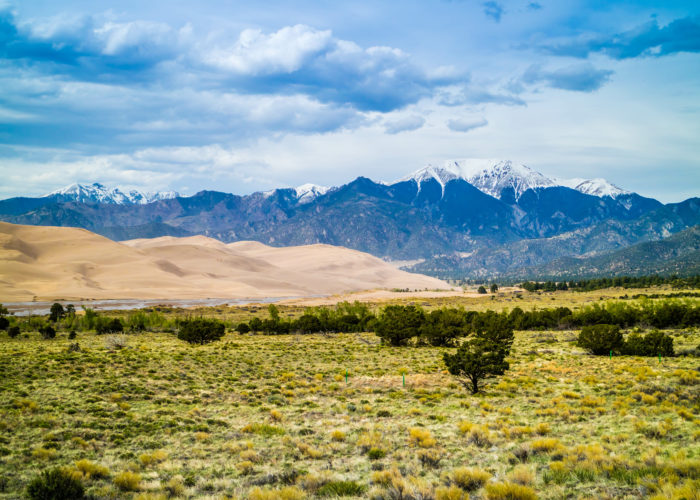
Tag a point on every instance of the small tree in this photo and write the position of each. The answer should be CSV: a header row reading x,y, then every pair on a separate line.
x,y
4,323
242,328
481,357
601,339
200,330
274,312
481,289
56,312
494,287
13,331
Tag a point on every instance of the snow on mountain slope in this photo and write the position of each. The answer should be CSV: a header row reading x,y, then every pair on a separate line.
x,y
306,193
492,177
596,187
506,174
96,192
444,174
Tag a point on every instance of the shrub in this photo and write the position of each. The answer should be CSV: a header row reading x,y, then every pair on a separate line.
x,y
601,339
200,330
113,325
450,493
398,324
469,478
116,342
246,467
263,429
544,445
338,435
375,453
481,289
421,437
522,474
91,470
127,481
288,493
175,487
47,332
13,331
654,343
509,491
479,436
55,484
72,335
242,328
341,489
4,323
430,458
155,457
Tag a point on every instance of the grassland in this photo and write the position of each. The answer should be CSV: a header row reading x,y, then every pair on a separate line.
x,y
273,417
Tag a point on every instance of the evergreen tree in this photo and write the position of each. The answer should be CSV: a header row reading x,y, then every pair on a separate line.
x,y
482,356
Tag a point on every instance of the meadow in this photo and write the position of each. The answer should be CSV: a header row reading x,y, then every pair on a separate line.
x,y
145,415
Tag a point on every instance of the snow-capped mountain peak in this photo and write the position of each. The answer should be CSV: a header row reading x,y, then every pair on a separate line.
x,y
309,192
492,177
99,193
595,187
506,174
444,174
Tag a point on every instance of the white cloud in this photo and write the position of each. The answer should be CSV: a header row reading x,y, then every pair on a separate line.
x,y
466,124
405,124
283,51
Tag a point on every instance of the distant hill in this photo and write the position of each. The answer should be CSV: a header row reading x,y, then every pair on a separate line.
x,y
678,254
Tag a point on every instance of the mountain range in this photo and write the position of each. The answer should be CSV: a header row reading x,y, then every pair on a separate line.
x,y
460,219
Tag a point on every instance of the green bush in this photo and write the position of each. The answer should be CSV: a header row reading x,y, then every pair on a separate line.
x,y
601,339
13,331
242,328
200,330
55,484
4,323
47,332
107,325
341,489
398,324
654,343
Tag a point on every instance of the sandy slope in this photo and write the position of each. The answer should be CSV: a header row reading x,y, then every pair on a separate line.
x,y
59,262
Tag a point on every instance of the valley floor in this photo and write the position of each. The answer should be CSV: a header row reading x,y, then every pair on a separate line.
x,y
273,417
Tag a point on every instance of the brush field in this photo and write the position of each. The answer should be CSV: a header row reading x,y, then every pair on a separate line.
x,y
148,416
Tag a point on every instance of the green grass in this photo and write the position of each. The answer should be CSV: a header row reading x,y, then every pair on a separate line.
x,y
256,416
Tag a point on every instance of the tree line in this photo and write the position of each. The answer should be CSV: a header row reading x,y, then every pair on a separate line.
x,y
399,325
616,282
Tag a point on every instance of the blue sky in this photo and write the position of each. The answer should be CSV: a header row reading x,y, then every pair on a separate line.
x,y
245,96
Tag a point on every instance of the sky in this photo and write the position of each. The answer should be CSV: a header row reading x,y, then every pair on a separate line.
x,y
243,96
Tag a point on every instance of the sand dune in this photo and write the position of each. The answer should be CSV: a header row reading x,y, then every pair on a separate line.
x,y
47,263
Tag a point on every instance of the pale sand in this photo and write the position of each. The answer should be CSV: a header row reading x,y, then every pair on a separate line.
x,y
377,296
46,263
